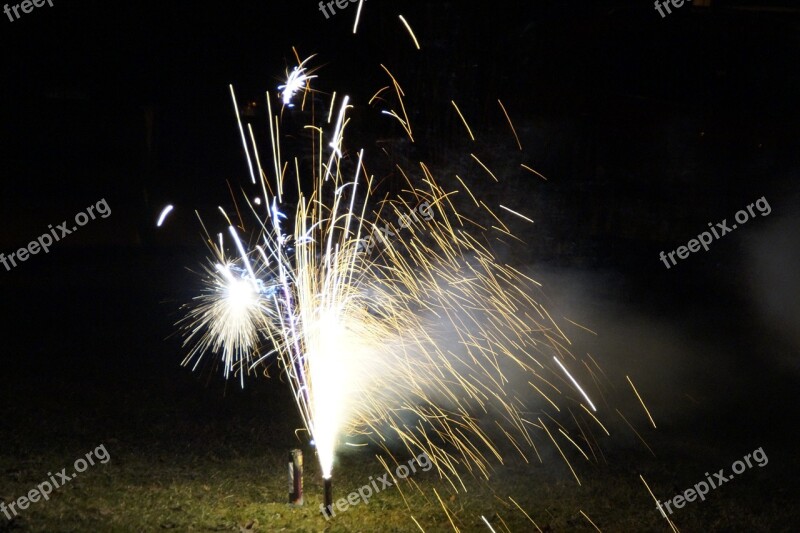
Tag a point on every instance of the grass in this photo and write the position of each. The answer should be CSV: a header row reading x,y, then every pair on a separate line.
x,y
176,469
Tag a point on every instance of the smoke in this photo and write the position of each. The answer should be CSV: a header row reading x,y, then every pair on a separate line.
x,y
772,259
675,367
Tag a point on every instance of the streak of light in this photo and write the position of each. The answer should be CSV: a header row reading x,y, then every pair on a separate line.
x,y
520,215
164,212
574,382
646,410
510,123
526,167
469,130
410,31
358,15
671,525
590,521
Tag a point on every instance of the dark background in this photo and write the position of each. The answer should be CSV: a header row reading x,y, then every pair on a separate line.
x,y
646,128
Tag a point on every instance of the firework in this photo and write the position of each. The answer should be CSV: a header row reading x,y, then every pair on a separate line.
x,y
295,81
429,340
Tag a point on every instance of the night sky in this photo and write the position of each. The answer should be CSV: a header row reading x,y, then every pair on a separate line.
x,y
647,128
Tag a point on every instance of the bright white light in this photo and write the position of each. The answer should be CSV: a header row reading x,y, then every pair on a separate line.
x,y
575,383
296,81
240,296
358,15
164,212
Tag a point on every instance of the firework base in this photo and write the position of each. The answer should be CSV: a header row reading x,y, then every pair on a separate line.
x,y
327,510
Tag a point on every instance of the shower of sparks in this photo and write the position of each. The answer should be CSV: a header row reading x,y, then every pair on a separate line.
x,y
429,341
229,313
163,216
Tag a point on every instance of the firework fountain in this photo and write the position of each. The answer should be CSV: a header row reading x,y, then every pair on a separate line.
x,y
419,341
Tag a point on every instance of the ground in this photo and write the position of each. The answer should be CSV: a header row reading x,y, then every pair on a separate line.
x,y
98,366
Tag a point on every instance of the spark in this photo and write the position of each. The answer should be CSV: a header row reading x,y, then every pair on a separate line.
x,y
520,215
358,15
658,504
485,167
646,410
336,143
584,328
526,514
240,247
468,191
469,130
529,169
544,396
446,511
589,520
574,382
487,524
574,443
510,123
635,432
332,106
596,420
405,122
561,452
296,80
164,212
410,31
241,131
